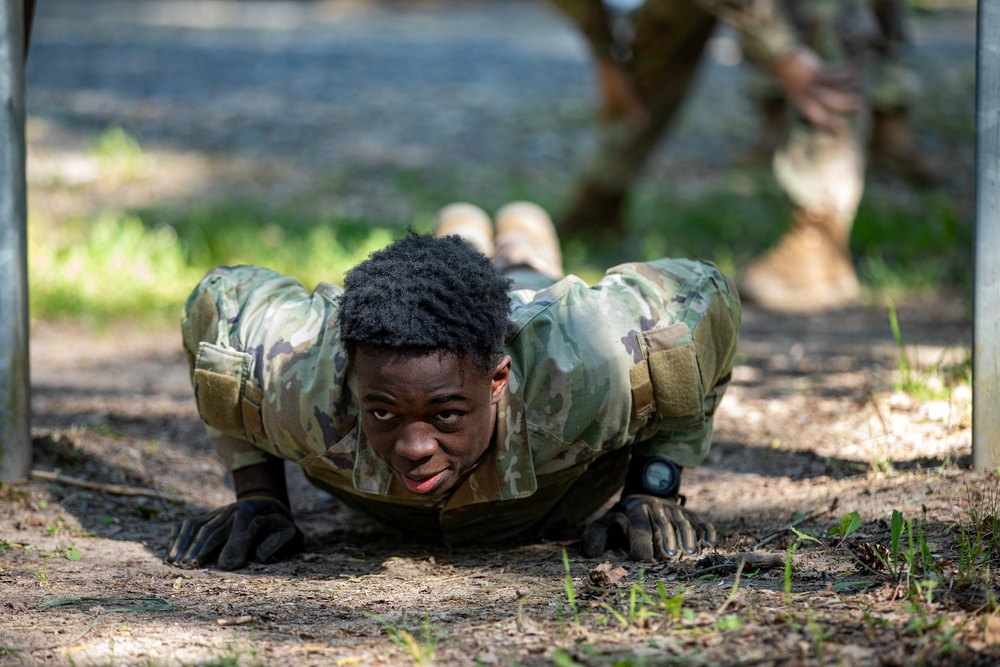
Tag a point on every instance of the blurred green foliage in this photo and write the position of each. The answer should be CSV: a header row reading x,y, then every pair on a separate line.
x,y
142,263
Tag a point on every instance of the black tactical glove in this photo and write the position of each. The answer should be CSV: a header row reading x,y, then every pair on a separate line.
x,y
258,526
650,527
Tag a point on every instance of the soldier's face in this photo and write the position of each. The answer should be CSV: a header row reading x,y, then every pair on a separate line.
x,y
431,418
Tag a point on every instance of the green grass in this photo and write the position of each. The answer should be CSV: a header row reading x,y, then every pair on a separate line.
x,y
913,245
978,536
142,263
927,382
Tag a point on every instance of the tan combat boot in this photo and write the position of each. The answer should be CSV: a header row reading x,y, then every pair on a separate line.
x,y
808,270
527,237
468,221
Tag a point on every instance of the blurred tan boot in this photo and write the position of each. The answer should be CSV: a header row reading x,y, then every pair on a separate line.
x,y
527,237
468,221
807,271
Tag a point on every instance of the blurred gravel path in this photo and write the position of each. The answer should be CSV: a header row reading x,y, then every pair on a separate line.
x,y
352,91
336,98
324,82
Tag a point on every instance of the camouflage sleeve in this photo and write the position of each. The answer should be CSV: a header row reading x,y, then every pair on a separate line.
x,y
235,453
213,309
687,356
639,359
210,327
765,31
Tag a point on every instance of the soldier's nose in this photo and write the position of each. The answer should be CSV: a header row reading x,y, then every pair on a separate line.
x,y
416,442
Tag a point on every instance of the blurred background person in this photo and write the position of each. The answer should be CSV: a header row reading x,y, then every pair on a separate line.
x,y
892,88
820,54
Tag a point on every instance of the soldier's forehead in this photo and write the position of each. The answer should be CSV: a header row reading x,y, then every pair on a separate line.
x,y
389,357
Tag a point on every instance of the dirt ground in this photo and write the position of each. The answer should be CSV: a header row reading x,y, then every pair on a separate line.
x,y
813,425
811,422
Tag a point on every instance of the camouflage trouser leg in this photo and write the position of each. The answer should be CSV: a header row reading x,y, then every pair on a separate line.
x,y
670,37
893,83
823,172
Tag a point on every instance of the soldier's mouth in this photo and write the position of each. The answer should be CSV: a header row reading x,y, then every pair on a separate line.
x,y
423,484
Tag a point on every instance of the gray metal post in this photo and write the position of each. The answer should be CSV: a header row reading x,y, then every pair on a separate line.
x,y
15,432
986,330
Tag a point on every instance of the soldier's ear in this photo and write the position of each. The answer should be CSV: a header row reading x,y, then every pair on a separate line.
x,y
501,375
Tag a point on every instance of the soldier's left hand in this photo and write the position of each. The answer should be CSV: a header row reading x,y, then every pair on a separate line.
x,y
650,528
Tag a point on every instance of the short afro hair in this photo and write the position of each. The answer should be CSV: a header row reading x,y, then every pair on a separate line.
x,y
423,294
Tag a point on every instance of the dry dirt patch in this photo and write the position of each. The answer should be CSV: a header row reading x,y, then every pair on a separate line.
x,y
812,423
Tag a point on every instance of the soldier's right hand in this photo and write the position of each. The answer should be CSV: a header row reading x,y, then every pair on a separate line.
x,y
253,528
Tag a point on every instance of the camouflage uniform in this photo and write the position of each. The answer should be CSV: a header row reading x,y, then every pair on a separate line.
x,y
870,33
635,364
822,171
666,48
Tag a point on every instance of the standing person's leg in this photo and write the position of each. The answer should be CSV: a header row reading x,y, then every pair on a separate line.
x,y
810,267
894,87
670,37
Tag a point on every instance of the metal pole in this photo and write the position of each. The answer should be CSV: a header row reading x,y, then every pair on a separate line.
x,y
986,330
15,432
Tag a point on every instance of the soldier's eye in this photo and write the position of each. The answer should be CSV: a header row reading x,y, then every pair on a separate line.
x,y
450,417
381,415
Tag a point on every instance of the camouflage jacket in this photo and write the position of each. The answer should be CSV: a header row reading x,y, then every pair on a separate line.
x,y
635,363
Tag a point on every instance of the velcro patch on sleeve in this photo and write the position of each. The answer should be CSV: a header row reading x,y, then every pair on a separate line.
x,y
676,382
218,399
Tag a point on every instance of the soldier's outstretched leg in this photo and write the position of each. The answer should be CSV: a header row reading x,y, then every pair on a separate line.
x,y
468,221
527,247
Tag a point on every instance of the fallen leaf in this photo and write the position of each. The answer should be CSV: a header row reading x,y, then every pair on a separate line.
x,y
605,575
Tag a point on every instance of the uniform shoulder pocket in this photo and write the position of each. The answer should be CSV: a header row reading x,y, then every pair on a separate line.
x,y
221,380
